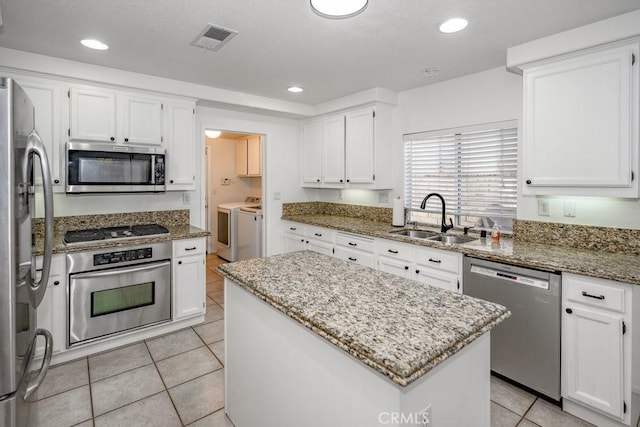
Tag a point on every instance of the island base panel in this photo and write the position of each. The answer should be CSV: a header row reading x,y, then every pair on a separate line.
x,y
279,373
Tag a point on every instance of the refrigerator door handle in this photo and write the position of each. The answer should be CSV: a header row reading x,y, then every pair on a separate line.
x,y
35,146
33,385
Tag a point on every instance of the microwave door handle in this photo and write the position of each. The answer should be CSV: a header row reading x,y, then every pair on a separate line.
x,y
35,146
115,272
153,169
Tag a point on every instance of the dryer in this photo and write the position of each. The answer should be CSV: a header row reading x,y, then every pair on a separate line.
x,y
228,227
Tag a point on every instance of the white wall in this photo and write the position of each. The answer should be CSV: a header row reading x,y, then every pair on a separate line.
x,y
222,156
281,161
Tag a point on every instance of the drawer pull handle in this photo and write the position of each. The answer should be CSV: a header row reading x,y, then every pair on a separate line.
x,y
568,310
317,234
352,259
56,283
190,249
600,297
353,244
391,251
437,261
292,228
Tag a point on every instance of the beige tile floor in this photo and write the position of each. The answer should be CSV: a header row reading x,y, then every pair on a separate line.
x,y
178,380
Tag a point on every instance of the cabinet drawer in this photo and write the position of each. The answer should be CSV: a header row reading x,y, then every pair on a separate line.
x,y
320,233
294,228
585,290
188,247
440,260
395,250
355,242
360,257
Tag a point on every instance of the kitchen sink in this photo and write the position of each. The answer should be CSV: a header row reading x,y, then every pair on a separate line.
x,y
418,234
452,239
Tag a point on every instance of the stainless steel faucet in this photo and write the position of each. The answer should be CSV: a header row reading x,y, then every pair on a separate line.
x,y
443,226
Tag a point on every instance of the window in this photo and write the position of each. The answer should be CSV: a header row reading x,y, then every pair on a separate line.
x,y
473,168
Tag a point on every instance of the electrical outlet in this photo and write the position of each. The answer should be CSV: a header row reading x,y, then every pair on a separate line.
x,y
383,197
543,208
570,209
276,195
339,194
186,198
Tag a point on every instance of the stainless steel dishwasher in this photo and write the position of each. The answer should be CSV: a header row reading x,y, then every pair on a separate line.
x,y
525,347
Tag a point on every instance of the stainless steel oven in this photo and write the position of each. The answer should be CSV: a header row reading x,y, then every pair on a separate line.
x,y
112,291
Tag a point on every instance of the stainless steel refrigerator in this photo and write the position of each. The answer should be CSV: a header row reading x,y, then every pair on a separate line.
x,y
21,151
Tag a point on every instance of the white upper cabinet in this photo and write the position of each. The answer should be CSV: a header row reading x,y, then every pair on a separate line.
x,y
249,157
360,147
181,145
140,119
104,115
580,123
92,114
332,135
349,150
49,100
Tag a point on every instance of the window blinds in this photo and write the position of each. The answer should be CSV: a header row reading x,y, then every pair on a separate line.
x,y
473,168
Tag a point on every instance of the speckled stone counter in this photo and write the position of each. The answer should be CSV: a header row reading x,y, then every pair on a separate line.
x,y
176,221
394,325
617,266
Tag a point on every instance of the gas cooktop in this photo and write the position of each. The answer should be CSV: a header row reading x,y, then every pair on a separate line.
x,y
114,233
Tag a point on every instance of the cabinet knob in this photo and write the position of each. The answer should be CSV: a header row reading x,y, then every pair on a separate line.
x,y
56,283
568,310
112,138
302,240
179,262
528,181
171,182
126,140
406,267
56,181
348,180
340,180
417,271
317,180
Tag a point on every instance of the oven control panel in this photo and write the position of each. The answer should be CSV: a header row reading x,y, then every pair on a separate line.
x,y
122,256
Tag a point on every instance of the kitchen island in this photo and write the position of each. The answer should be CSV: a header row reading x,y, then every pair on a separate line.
x,y
313,340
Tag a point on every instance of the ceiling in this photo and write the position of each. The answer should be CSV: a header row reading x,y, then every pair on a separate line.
x,y
282,42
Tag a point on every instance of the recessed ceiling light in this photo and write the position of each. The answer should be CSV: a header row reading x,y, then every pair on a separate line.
x,y
453,25
94,44
212,133
338,8
431,71
295,89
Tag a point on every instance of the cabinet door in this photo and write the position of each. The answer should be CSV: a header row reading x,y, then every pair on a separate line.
x,y
48,101
181,146
319,246
92,114
311,153
189,291
359,147
592,364
580,129
333,150
436,278
52,315
393,266
140,120
254,156
241,157
293,242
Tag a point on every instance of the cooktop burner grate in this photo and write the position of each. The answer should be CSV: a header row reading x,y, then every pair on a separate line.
x,y
113,233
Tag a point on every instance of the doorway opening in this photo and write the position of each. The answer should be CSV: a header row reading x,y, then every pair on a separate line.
x,y
233,194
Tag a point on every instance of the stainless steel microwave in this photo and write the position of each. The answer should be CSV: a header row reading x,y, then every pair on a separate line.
x,y
109,168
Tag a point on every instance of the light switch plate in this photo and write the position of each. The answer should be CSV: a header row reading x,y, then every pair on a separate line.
x,y
570,209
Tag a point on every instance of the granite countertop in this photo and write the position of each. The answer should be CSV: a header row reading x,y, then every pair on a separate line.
x,y
176,232
399,327
606,265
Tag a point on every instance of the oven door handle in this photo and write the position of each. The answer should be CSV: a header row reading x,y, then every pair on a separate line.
x,y
114,272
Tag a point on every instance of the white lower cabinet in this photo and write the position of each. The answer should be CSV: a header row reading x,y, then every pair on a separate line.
x,y
394,266
354,248
596,345
438,268
52,311
188,278
394,258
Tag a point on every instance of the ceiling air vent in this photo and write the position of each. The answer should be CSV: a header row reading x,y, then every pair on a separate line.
x,y
213,37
